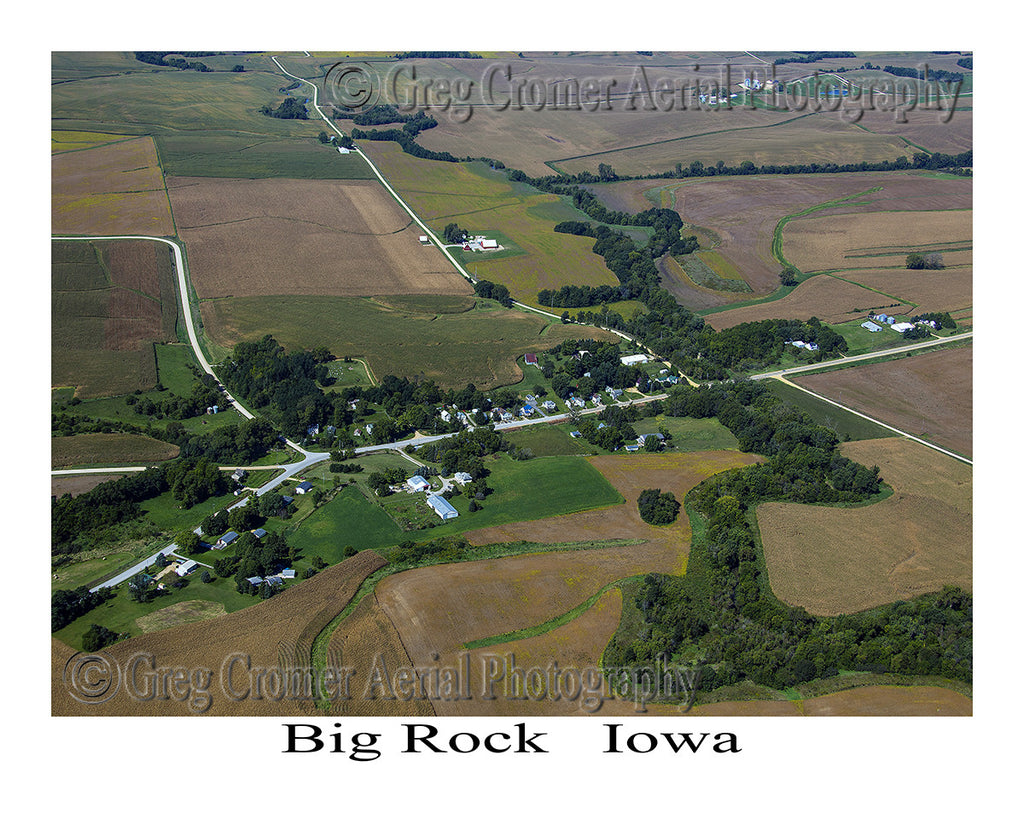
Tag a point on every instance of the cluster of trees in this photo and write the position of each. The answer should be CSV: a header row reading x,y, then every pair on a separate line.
x,y
98,637
925,261
389,115
572,295
381,482
204,394
161,58
815,56
657,508
67,605
944,320
445,548
489,290
284,386
918,73
610,428
75,520
407,140
966,62
437,55
291,108
453,234
254,557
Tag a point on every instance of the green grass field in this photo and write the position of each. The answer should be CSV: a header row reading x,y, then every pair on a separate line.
x,y
689,434
842,422
550,439
256,157
523,490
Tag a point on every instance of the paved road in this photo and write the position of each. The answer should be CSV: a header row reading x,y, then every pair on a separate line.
x,y
934,342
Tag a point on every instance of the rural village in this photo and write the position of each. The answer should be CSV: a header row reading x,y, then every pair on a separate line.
x,y
591,391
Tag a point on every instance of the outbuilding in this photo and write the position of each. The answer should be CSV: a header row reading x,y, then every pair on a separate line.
x,y
417,483
187,567
444,510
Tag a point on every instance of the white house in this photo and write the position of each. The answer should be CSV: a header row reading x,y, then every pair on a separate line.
x,y
902,326
185,568
424,240
303,488
630,360
462,478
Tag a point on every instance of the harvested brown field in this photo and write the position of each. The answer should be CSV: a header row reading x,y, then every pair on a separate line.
x,y
261,637
891,701
110,190
108,448
745,233
77,484
928,395
837,561
573,647
262,237
835,242
829,298
932,291
367,640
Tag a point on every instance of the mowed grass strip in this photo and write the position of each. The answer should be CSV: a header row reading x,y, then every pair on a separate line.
x,y
479,345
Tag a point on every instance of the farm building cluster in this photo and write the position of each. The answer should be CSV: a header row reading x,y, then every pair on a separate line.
x,y
890,321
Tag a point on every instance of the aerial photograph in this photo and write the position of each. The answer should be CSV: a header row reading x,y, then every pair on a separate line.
x,y
511,384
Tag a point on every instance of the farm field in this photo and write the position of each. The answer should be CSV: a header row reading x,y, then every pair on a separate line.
x,y
831,299
835,561
109,190
266,633
842,241
479,345
928,395
744,235
99,448
231,156
110,302
736,136
483,202
262,237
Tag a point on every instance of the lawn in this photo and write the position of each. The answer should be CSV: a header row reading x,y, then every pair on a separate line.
x,y
347,520
689,434
549,439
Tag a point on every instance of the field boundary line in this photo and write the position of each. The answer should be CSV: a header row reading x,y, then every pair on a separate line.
x,y
785,380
